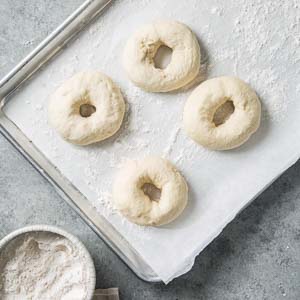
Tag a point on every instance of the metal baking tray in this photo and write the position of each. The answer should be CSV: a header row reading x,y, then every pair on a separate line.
x,y
15,80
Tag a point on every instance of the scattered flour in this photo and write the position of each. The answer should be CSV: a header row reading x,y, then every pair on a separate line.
x,y
171,142
42,265
251,51
257,41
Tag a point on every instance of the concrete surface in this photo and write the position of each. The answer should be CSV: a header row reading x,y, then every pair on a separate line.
x,y
256,257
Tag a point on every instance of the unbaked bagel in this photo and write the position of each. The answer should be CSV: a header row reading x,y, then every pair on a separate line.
x,y
87,108
131,200
205,100
141,48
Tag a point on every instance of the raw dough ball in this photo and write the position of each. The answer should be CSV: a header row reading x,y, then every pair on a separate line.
x,y
207,98
141,48
87,108
131,200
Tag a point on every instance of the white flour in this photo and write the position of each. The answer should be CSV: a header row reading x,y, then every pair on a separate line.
x,y
42,265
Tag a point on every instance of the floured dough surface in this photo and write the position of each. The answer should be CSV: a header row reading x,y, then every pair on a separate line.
x,y
87,108
131,200
207,98
141,48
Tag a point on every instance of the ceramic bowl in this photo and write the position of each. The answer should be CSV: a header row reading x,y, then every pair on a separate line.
x,y
46,228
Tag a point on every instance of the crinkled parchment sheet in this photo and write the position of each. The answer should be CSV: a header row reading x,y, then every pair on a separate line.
x,y
249,39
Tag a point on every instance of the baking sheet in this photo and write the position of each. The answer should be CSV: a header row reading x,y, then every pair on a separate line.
x,y
249,40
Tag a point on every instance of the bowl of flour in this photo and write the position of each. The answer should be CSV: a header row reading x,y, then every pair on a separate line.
x,y
45,262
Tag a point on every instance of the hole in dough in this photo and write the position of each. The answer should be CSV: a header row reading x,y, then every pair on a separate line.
x,y
86,110
162,57
151,191
223,113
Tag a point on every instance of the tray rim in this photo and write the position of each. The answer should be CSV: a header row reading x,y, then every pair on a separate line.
x,y
14,80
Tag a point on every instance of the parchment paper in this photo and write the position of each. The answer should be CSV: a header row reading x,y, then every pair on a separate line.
x,y
257,41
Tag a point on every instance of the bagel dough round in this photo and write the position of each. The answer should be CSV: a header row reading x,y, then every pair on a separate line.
x,y
87,108
131,200
207,98
140,50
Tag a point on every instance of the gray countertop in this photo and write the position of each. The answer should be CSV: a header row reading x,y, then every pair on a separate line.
x,y
256,257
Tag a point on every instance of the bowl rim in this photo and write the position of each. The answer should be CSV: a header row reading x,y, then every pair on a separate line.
x,y
91,283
